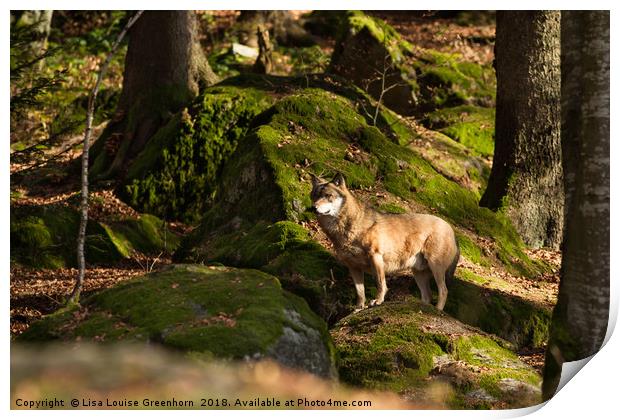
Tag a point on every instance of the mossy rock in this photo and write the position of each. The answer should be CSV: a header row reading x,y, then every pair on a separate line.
x,y
46,237
474,300
454,160
173,176
284,249
471,126
411,348
311,130
373,55
368,50
206,311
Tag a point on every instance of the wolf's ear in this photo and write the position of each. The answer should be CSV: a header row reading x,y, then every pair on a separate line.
x,y
339,181
315,180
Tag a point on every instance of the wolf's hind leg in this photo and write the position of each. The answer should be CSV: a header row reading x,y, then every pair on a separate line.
x,y
423,280
440,278
358,279
377,262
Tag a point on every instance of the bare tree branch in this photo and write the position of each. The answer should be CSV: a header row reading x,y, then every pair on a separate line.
x,y
77,289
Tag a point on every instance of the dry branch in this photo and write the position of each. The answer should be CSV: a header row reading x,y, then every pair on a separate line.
x,y
77,289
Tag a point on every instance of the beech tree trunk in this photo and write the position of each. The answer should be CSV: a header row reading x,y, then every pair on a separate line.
x,y
164,68
579,321
526,177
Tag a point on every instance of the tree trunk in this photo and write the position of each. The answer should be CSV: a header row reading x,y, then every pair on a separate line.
x,y
164,68
284,28
526,178
41,23
579,321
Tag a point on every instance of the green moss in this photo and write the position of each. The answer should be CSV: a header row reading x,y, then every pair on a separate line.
x,y
385,34
471,126
226,313
478,301
392,208
174,176
471,250
447,80
46,237
428,79
147,234
392,347
285,250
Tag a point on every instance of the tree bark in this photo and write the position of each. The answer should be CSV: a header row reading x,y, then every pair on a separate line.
x,y
281,23
579,321
164,68
41,22
526,177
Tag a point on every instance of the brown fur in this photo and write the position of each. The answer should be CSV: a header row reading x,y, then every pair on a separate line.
x,y
381,244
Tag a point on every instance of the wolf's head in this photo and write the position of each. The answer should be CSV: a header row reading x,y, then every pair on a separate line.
x,y
328,198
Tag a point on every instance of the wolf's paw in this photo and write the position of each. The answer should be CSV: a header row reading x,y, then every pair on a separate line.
x,y
359,308
375,302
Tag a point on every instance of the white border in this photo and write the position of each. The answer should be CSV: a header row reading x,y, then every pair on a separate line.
x,y
591,395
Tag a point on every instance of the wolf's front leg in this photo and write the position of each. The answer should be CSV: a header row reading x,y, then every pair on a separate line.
x,y
377,261
358,279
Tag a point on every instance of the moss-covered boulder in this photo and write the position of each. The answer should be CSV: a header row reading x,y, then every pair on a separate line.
x,y
284,249
267,178
46,237
472,126
174,174
206,311
413,349
408,79
522,322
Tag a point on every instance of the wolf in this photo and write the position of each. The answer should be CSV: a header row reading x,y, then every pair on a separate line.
x,y
367,241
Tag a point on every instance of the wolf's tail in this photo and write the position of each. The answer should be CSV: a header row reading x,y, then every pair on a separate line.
x,y
450,271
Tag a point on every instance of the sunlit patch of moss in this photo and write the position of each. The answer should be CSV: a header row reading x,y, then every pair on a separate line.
x,y
479,301
392,208
471,250
226,313
472,126
391,347
448,80
384,33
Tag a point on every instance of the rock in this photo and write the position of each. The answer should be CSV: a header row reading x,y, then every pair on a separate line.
x,y
473,126
175,173
413,349
369,50
521,322
205,311
265,188
46,237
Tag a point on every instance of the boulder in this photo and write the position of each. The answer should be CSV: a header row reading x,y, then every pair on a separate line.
x,y
414,350
220,312
408,79
267,180
46,237
174,174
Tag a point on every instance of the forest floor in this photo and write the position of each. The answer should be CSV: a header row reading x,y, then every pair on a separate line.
x,y
37,292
